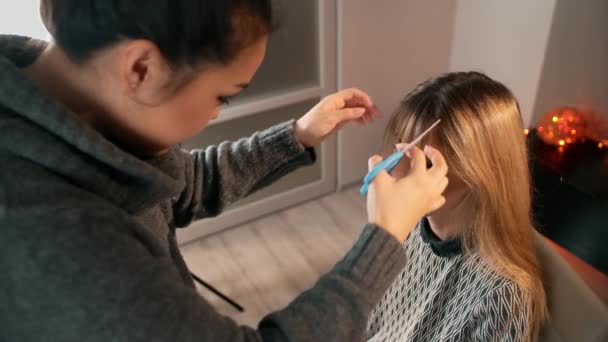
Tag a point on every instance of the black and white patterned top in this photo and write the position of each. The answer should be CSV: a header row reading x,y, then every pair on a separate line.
x,y
446,295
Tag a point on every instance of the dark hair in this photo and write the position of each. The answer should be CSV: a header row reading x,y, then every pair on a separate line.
x,y
187,32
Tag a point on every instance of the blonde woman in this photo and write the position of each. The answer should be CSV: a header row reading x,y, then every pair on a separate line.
x,y
472,272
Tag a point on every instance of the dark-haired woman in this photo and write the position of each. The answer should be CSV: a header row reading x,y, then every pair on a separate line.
x,y
92,186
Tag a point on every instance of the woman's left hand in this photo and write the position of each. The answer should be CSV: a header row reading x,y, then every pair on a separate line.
x,y
332,113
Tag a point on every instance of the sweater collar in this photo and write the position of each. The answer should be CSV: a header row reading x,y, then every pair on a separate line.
x,y
443,248
38,128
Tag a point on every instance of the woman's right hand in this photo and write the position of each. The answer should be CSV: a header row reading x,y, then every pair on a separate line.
x,y
396,205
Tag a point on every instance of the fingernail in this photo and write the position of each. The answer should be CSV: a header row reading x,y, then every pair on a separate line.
x,y
428,150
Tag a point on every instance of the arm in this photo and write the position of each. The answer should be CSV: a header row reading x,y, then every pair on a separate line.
x,y
98,281
502,315
222,174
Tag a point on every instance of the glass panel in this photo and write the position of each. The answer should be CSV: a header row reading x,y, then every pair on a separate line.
x,y
292,59
243,127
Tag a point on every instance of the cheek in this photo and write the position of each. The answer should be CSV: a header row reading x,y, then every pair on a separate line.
x,y
202,113
457,185
195,112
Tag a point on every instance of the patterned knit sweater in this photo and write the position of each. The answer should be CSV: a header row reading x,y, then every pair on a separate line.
x,y
445,295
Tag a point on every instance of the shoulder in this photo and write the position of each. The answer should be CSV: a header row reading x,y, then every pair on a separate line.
x,y
415,249
413,240
502,312
507,297
40,207
495,293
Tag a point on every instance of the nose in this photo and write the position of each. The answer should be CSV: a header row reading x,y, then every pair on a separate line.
x,y
215,114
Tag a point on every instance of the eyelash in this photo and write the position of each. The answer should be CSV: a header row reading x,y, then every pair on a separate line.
x,y
224,100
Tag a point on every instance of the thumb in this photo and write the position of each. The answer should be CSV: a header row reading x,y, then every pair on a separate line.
x,y
373,161
351,113
383,177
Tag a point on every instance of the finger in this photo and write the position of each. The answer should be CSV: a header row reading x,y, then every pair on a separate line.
x,y
383,177
370,116
373,161
417,160
376,112
377,184
401,146
440,167
366,118
349,114
356,97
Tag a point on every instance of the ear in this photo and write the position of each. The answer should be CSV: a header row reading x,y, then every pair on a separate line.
x,y
146,76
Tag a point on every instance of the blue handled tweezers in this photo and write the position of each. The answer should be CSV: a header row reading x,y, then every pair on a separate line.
x,y
391,161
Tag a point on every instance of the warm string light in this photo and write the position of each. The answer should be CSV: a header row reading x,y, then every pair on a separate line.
x,y
567,125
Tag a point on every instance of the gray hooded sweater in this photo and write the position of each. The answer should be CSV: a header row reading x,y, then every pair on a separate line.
x,y
87,231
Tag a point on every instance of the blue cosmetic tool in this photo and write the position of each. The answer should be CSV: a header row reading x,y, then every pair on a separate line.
x,y
392,161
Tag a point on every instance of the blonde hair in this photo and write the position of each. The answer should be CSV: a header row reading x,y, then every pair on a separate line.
x,y
481,137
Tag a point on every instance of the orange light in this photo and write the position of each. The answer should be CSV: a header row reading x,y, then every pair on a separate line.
x,y
600,145
555,119
526,131
560,149
568,141
573,132
562,143
541,129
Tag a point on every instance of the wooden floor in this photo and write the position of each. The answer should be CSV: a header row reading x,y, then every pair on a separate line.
x,y
264,264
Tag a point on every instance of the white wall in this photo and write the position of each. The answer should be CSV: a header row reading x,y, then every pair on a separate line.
x,y
386,47
507,41
22,18
575,71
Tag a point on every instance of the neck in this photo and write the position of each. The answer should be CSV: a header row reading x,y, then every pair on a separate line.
x,y
64,81
80,90
449,221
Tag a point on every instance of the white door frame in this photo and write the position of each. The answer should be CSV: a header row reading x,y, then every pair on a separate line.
x,y
327,35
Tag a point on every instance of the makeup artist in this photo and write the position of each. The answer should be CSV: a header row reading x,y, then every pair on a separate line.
x,y
93,187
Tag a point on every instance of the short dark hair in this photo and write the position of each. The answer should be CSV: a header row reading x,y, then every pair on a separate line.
x,y
187,32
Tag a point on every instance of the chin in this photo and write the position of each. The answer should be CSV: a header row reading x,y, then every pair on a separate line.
x,y
435,212
191,133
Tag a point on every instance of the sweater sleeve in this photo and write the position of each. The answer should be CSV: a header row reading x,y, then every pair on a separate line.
x,y
502,315
220,175
338,306
77,275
